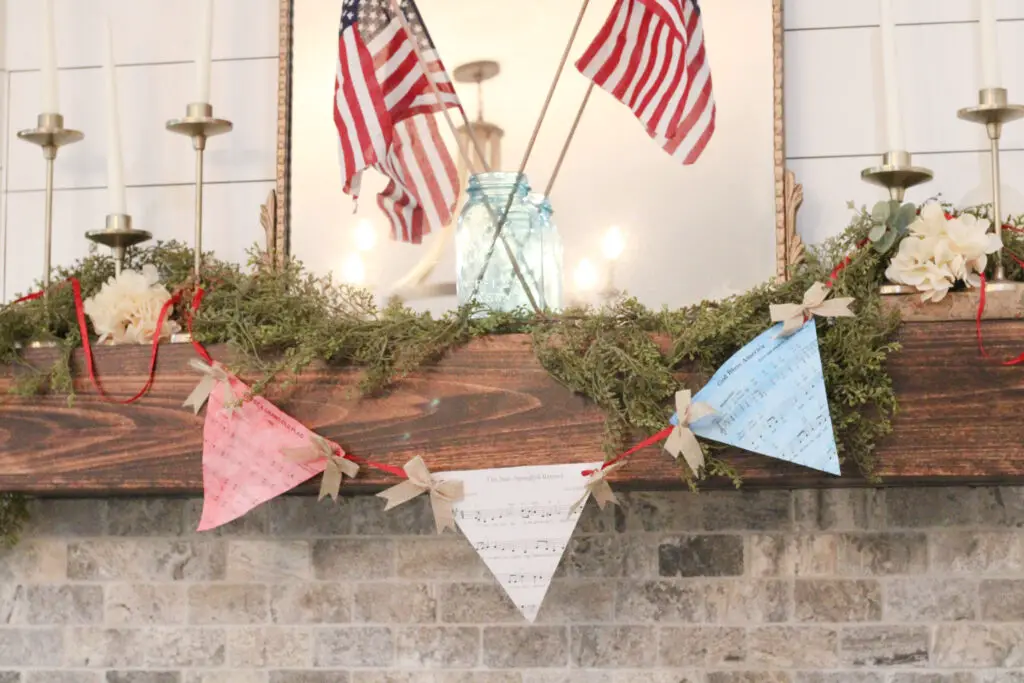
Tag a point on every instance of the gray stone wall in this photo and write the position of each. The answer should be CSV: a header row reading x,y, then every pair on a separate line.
x,y
849,586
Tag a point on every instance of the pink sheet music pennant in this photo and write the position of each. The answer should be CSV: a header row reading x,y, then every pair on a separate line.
x,y
243,463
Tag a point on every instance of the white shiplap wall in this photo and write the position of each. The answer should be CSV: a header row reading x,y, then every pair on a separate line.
x,y
153,49
833,117
834,114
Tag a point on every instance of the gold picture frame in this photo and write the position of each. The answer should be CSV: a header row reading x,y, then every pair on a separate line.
x,y
789,248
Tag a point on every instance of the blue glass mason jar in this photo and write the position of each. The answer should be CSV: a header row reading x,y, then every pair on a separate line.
x,y
528,235
552,263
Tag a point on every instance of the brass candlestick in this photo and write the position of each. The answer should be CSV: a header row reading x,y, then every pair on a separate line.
x,y
993,111
118,235
199,124
896,174
50,135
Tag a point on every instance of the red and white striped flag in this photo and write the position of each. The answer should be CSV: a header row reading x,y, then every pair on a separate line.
x,y
650,55
383,110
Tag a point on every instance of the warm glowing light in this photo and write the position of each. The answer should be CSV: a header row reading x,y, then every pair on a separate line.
x,y
613,243
585,275
353,271
365,234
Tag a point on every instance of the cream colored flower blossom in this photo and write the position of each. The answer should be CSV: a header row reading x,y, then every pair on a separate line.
x,y
930,223
127,308
940,252
969,238
914,264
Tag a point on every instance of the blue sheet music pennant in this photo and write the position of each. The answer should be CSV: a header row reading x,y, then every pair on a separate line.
x,y
769,398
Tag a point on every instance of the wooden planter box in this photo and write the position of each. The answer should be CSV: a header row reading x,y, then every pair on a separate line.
x,y
491,404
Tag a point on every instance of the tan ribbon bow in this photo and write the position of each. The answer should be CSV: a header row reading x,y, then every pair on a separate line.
x,y
442,493
793,316
211,375
599,488
682,440
336,465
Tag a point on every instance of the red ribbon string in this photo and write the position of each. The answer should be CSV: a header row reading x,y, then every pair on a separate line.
x,y
977,326
29,297
390,469
197,300
845,262
649,441
83,327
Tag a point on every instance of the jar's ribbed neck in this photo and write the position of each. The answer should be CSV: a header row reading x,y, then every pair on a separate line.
x,y
540,201
499,182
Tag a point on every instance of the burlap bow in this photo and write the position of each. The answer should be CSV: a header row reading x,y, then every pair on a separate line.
x,y
211,375
682,440
335,466
793,316
442,493
599,488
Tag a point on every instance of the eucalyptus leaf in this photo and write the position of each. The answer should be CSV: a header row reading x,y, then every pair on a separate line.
x,y
876,233
886,243
880,212
907,214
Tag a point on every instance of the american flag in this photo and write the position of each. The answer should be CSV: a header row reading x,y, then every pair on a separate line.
x,y
383,110
650,55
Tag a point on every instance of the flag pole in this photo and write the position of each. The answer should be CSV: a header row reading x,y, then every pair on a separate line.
x,y
568,140
464,153
532,142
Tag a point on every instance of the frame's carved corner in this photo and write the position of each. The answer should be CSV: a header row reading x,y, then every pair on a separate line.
x,y
268,221
792,247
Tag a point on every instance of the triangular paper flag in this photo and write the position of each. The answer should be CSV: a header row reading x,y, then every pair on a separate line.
x,y
243,465
519,519
770,399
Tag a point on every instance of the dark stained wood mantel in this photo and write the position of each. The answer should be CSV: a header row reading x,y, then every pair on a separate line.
x,y
491,404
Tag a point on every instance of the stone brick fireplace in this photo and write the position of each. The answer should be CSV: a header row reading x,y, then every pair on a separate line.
x,y
919,585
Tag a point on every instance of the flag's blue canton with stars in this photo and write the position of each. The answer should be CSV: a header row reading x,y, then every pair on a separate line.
x,y
383,110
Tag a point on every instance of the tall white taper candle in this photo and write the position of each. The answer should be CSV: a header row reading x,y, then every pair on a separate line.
x,y
990,76
115,163
204,56
48,65
890,76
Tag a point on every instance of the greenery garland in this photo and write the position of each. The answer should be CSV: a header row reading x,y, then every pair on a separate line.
x,y
279,320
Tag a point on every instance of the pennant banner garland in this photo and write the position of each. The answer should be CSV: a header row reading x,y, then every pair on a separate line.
x,y
770,399
243,461
519,520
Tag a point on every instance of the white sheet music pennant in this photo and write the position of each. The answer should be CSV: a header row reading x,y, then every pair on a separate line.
x,y
519,519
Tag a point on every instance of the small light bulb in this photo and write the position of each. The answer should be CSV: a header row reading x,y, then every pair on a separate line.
x,y
614,243
353,271
365,235
585,275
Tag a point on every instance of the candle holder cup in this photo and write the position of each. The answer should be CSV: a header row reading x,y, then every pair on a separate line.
x,y
118,235
897,174
49,135
199,124
993,111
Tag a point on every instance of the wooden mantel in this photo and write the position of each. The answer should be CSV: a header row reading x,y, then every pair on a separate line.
x,y
491,404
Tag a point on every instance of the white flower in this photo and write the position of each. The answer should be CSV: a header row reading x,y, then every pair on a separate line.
x,y
914,264
969,239
127,308
930,223
939,252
